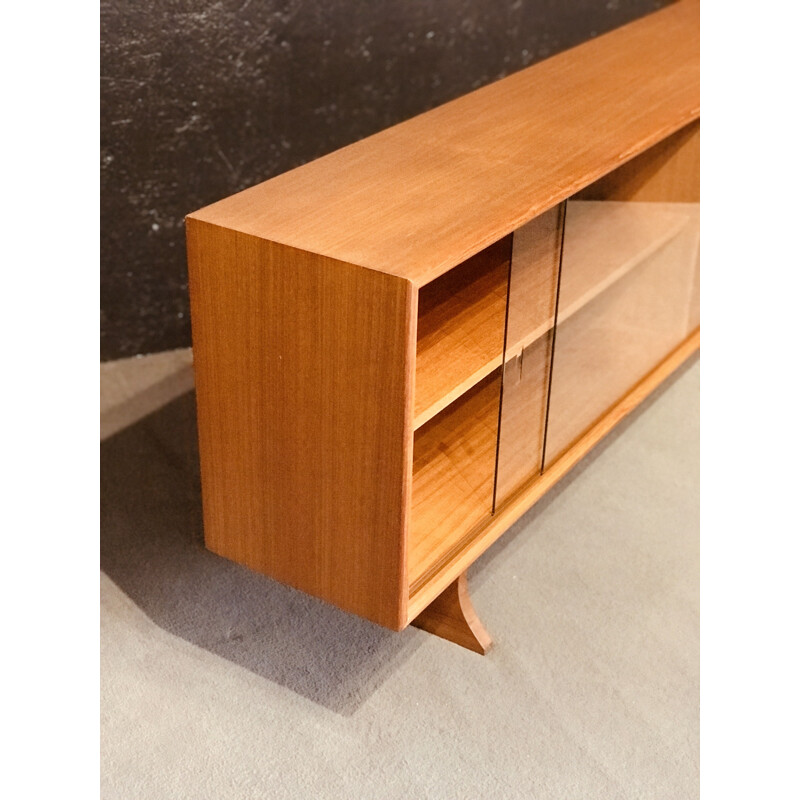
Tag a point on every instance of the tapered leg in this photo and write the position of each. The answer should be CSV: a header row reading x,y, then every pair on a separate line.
x,y
452,617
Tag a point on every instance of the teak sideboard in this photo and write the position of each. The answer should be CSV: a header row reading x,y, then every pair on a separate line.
x,y
401,346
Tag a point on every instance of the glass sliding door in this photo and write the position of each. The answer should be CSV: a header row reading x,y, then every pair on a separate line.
x,y
629,287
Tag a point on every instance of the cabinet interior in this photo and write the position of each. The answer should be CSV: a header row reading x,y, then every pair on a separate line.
x,y
525,345
460,329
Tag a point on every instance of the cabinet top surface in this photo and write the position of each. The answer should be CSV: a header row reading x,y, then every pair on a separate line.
x,y
418,198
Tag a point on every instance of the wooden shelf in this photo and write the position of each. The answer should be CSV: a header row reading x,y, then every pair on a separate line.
x,y
454,463
462,314
460,329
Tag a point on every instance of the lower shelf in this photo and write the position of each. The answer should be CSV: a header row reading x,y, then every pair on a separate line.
x,y
454,466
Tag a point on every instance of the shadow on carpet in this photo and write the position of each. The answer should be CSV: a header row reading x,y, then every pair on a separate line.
x,y
151,547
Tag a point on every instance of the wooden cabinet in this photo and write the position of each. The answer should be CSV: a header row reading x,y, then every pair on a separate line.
x,y
401,346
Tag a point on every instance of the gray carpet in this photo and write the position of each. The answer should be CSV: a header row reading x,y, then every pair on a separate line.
x,y
219,683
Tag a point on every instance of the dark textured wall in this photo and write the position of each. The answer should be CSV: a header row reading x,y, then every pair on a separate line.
x,y
202,99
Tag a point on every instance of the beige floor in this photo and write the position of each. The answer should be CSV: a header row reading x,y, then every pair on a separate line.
x,y
218,683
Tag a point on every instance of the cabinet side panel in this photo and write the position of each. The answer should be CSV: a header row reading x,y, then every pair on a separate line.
x,y
303,368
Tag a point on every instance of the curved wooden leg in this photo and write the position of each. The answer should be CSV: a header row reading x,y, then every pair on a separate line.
x,y
452,617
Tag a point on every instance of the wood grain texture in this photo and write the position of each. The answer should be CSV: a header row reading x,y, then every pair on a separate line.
x,y
423,196
454,465
452,616
455,562
303,372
